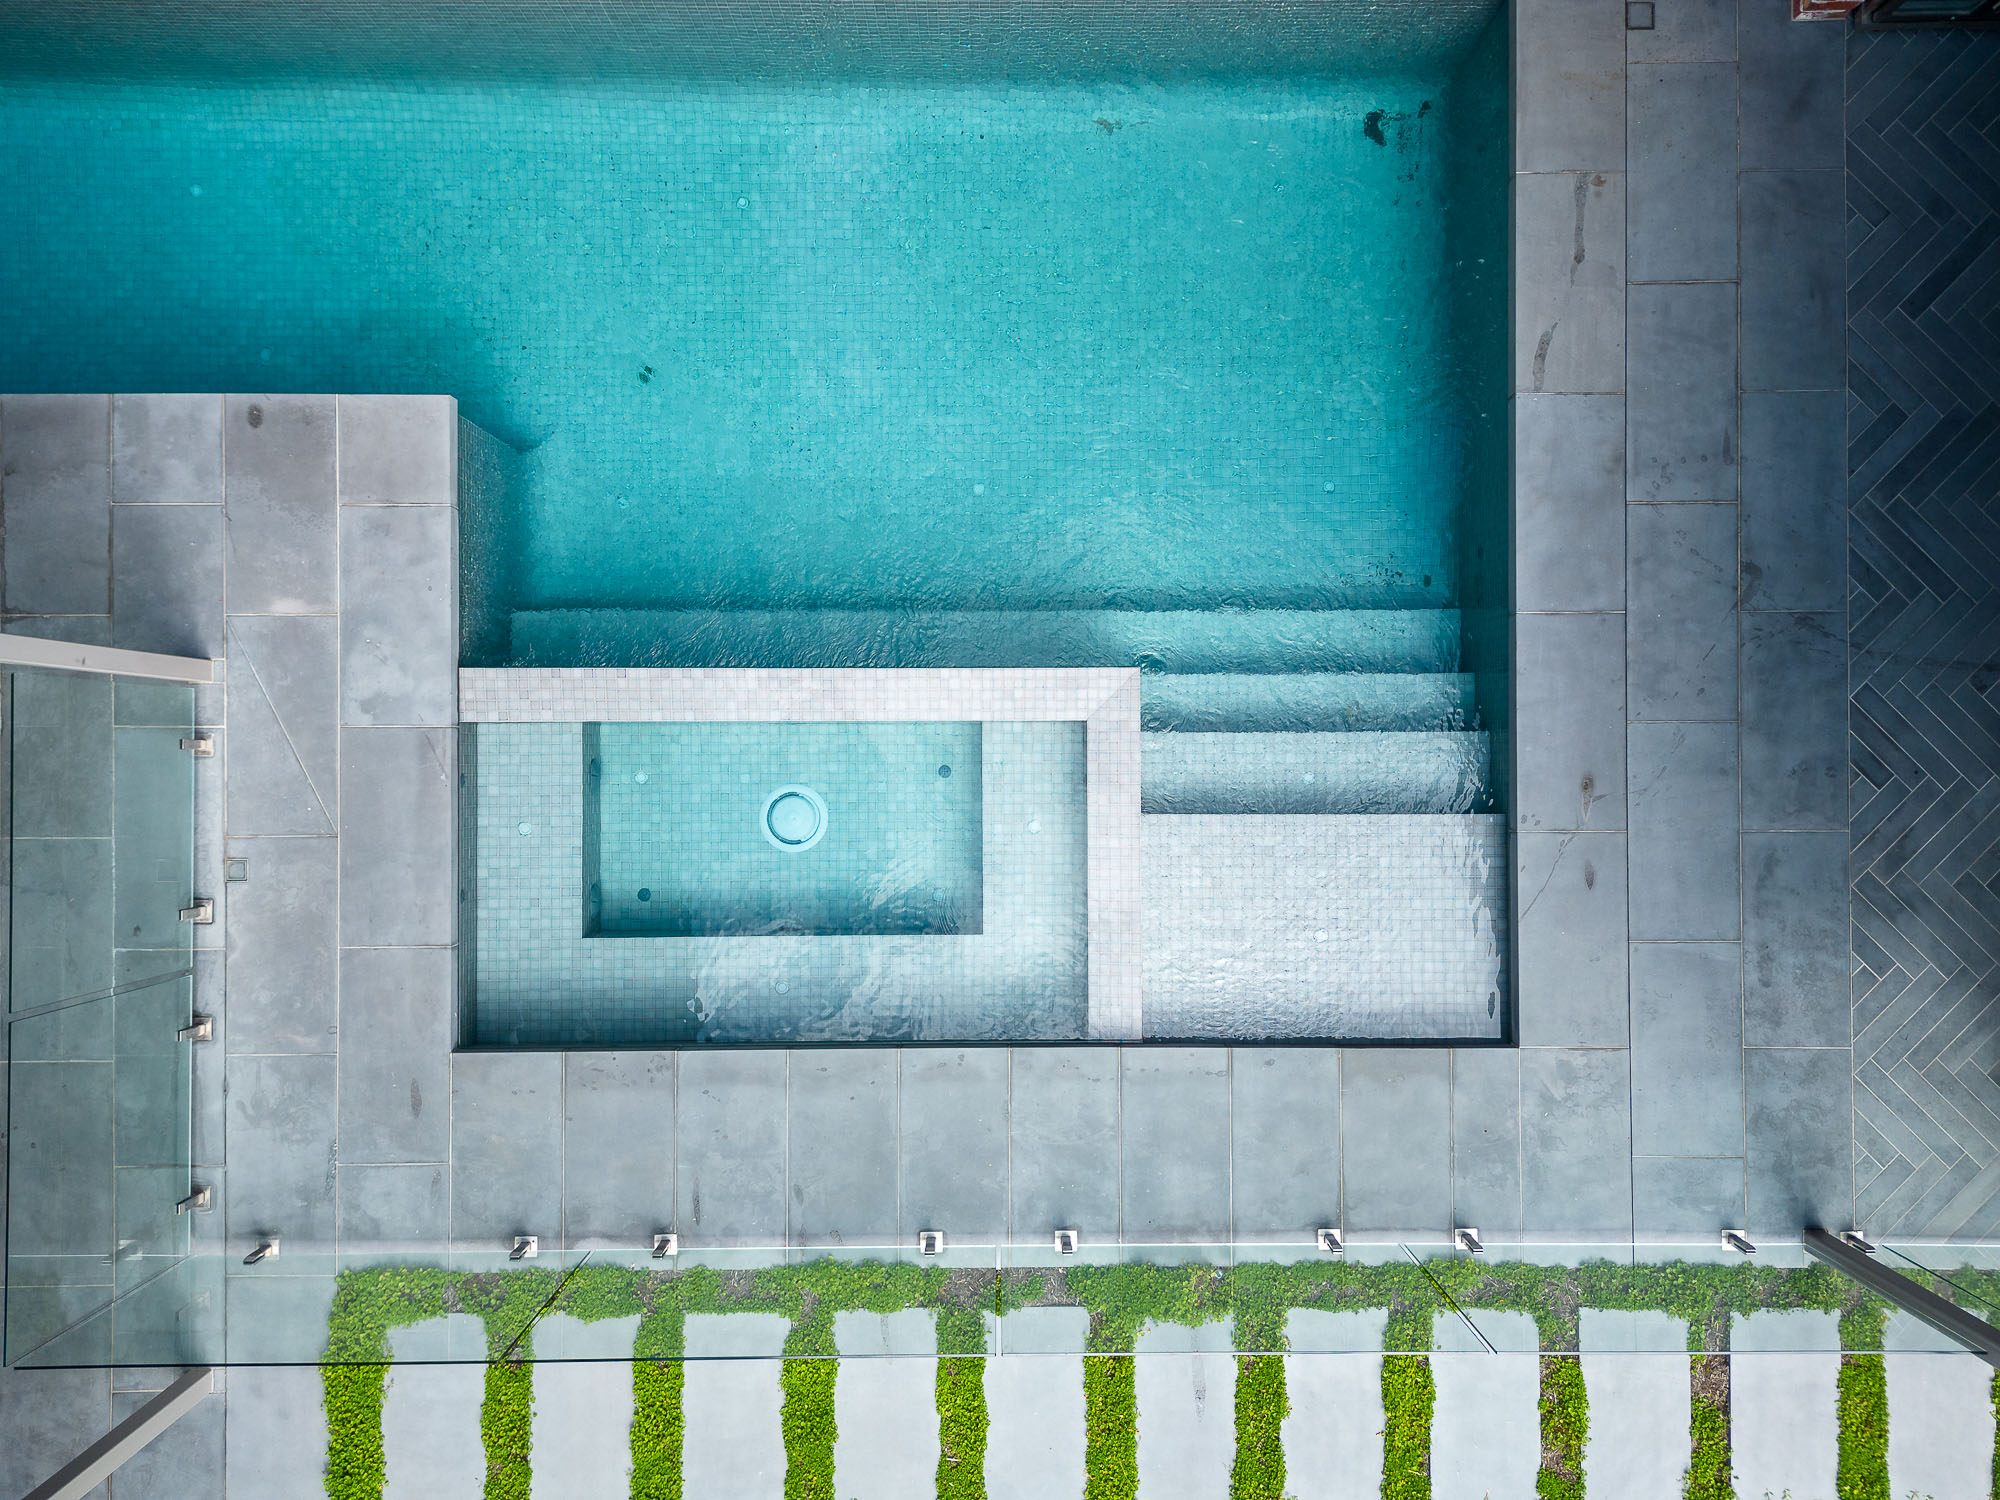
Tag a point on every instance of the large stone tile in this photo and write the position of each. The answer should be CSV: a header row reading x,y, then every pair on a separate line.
x,y
1570,939
1396,1114
1940,1412
1576,1142
618,1158
1175,1144
1680,628
278,479
1687,1049
954,1142
281,1153
1796,986
61,1135
1702,31
1063,1153
62,910
431,1445
395,1054
842,1109
398,450
582,1423
186,1459
1187,1424
731,1409
506,1139
1794,281
1485,1431
1684,868
1681,165
730,1136
1684,1197
51,1416
1569,689
1795,500
1794,721
1284,1141
1486,1139
1637,1446
886,1429
398,615
166,450
394,1210
1790,100
1569,87
1800,1127
283,974
1784,1428
63,756
1681,407
398,843
1034,1435
1569,502
166,578
1333,1434
1569,281
276,1433
283,764
55,504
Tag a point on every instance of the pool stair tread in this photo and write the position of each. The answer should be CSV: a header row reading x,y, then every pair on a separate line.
x,y
1285,641
1244,702
1374,771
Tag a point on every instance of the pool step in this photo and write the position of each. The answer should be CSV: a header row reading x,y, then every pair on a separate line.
x,y
1283,641
1240,702
1373,771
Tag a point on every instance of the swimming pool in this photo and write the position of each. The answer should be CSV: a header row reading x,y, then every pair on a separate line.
x,y
928,336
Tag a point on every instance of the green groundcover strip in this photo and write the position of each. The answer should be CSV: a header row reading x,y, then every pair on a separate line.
x,y
1121,1301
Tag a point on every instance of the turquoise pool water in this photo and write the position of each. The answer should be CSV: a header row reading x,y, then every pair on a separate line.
x,y
769,830
811,345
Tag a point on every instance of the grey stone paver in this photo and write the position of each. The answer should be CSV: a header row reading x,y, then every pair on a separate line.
x,y
1940,1413
582,1415
1333,1435
1486,1430
1637,1448
1034,1405
730,1403
885,1406
1034,1434
276,1433
1187,1416
1783,1425
431,1444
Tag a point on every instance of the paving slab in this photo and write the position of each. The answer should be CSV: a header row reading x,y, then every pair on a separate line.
x,y
1486,1430
1034,1405
1940,1413
1784,1425
885,1408
430,1412
730,1403
1333,1436
275,1428
1187,1419
1639,1404
582,1414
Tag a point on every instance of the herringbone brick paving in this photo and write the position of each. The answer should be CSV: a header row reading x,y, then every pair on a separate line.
x,y
1923,340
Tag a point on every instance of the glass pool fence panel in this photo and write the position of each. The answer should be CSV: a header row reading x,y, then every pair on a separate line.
x,y
100,848
861,1301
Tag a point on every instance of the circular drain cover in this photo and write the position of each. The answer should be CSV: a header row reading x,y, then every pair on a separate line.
x,y
794,817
